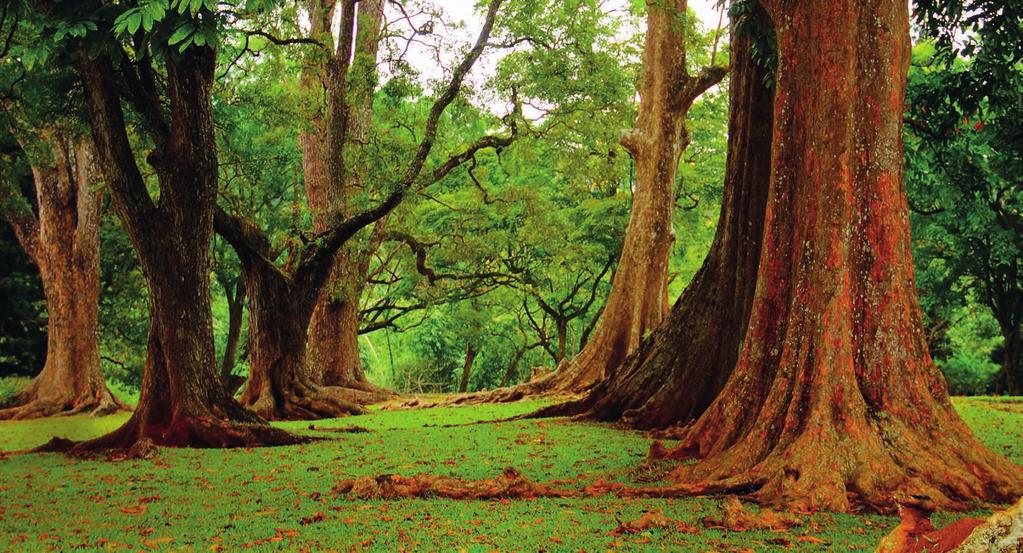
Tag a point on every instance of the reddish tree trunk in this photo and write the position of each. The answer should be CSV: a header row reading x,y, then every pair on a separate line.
x,y
64,244
182,400
681,367
834,402
637,301
333,355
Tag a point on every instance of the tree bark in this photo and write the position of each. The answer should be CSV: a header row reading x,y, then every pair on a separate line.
x,y
235,310
636,303
470,358
182,401
513,366
63,242
333,350
679,370
279,387
835,403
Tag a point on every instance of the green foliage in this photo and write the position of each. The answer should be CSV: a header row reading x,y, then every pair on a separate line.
x,y
963,161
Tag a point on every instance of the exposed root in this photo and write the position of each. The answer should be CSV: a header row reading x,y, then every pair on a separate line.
x,y
509,485
916,534
366,393
303,402
735,518
550,384
138,439
341,430
29,404
650,520
1001,533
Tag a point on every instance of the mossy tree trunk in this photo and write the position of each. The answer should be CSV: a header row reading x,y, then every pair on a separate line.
x,y
333,349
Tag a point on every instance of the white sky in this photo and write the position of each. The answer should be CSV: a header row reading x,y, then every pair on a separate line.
x,y
465,9
426,61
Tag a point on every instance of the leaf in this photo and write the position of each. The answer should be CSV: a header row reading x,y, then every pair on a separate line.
x,y
181,33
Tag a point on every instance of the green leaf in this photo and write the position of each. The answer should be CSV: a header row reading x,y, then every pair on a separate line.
x,y
181,33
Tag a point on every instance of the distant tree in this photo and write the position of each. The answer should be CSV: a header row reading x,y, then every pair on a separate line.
x,y
282,298
639,292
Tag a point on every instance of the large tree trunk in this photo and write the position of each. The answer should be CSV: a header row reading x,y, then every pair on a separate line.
x,y
637,301
681,367
334,330
182,401
835,402
279,386
64,244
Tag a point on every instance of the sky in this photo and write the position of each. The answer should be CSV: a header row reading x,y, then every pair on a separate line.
x,y
425,61
464,9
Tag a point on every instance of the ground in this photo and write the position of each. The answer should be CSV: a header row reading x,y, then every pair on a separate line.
x,y
281,498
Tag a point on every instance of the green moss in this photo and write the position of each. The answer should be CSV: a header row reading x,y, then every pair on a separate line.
x,y
281,499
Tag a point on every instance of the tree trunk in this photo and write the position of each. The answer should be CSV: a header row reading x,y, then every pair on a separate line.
x,y
334,330
1010,379
681,367
235,309
64,244
835,402
636,303
513,367
470,358
182,401
279,387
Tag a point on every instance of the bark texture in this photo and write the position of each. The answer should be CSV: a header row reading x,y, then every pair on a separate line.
x,y
333,350
637,302
835,403
63,242
679,370
280,305
182,401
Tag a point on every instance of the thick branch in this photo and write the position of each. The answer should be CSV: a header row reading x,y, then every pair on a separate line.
x,y
112,144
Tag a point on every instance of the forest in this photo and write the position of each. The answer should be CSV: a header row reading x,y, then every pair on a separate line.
x,y
511,275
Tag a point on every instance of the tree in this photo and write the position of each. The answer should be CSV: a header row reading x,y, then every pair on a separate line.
x,y
62,239
334,329
834,402
282,299
639,291
161,63
680,368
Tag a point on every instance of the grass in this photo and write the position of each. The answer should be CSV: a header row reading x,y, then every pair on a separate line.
x,y
280,498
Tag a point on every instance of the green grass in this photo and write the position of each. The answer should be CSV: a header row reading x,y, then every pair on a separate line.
x,y
209,499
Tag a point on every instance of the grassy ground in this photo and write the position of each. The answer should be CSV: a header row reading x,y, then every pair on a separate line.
x,y
280,499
